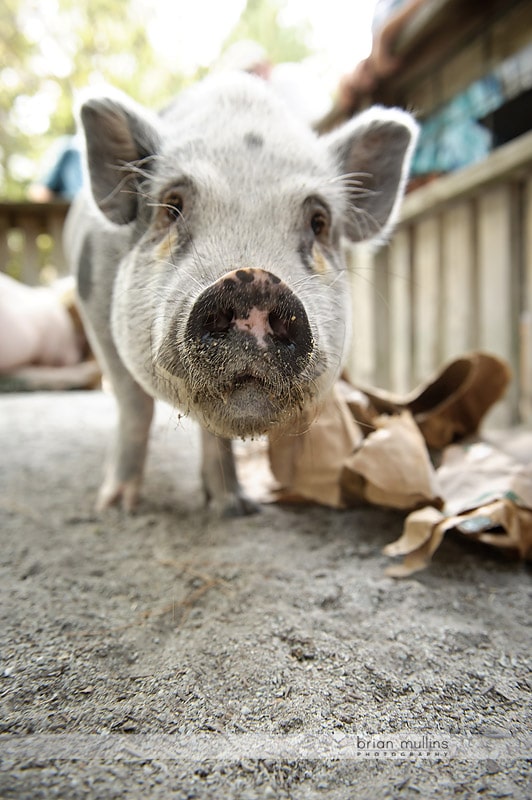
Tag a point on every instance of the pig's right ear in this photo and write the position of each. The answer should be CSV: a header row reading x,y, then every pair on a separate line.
x,y
118,137
373,154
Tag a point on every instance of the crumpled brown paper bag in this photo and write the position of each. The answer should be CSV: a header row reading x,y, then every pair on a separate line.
x,y
391,467
349,456
369,446
308,466
489,499
452,404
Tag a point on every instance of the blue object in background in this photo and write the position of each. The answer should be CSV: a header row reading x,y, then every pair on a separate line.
x,y
65,178
453,137
457,135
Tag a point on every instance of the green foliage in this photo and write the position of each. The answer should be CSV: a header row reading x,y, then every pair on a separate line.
x,y
49,49
260,22
16,52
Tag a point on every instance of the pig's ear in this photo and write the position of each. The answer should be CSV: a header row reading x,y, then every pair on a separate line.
x,y
373,154
119,137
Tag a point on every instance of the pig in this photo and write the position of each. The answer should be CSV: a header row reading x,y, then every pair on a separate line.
x,y
35,327
209,255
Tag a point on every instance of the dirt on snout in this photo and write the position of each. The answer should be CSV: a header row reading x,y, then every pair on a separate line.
x,y
169,655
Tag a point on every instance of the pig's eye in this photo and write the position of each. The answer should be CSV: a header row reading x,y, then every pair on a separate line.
x,y
319,223
173,206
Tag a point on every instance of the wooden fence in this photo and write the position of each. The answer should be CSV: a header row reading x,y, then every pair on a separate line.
x,y
31,246
457,275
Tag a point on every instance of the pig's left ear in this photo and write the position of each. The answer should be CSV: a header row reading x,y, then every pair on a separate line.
x,y
373,154
119,137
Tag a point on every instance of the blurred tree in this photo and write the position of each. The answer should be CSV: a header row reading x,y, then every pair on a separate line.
x,y
260,22
49,49
52,48
16,80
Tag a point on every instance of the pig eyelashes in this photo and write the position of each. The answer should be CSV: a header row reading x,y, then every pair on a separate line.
x,y
173,204
170,208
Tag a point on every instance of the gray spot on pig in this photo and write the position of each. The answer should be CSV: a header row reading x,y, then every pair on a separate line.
x,y
85,269
305,250
253,140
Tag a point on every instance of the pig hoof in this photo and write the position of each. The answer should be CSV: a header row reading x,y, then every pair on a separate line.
x,y
234,505
124,494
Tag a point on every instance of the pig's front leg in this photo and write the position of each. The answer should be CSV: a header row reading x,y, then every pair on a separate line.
x,y
220,481
126,462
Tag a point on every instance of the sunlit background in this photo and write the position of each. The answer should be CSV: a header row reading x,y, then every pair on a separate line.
x,y
338,31
51,48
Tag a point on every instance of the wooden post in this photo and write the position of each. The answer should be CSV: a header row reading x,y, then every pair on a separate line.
x,y
55,222
31,259
4,250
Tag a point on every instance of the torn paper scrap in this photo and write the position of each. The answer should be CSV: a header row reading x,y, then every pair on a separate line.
x,y
488,498
452,404
391,467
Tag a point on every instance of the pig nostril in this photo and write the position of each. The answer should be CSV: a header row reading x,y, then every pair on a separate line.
x,y
219,321
280,327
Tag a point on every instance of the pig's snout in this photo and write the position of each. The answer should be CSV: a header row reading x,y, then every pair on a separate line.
x,y
248,357
253,308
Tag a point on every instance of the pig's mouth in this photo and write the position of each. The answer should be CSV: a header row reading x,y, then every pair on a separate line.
x,y
250,401
257,387
241,381
248,406
236,389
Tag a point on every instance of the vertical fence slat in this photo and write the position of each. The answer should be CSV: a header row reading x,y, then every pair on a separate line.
x,y
31,260
426,292
525,366
400,283
4,250
54,225
496,254
458,305
381,333
361,364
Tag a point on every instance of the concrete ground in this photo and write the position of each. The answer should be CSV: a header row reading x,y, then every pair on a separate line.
x,y
170,655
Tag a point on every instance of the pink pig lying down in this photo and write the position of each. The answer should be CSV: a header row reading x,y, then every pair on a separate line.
x,y
35,328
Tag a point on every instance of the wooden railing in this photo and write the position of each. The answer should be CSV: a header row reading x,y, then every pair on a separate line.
x,y
456,276
31,247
